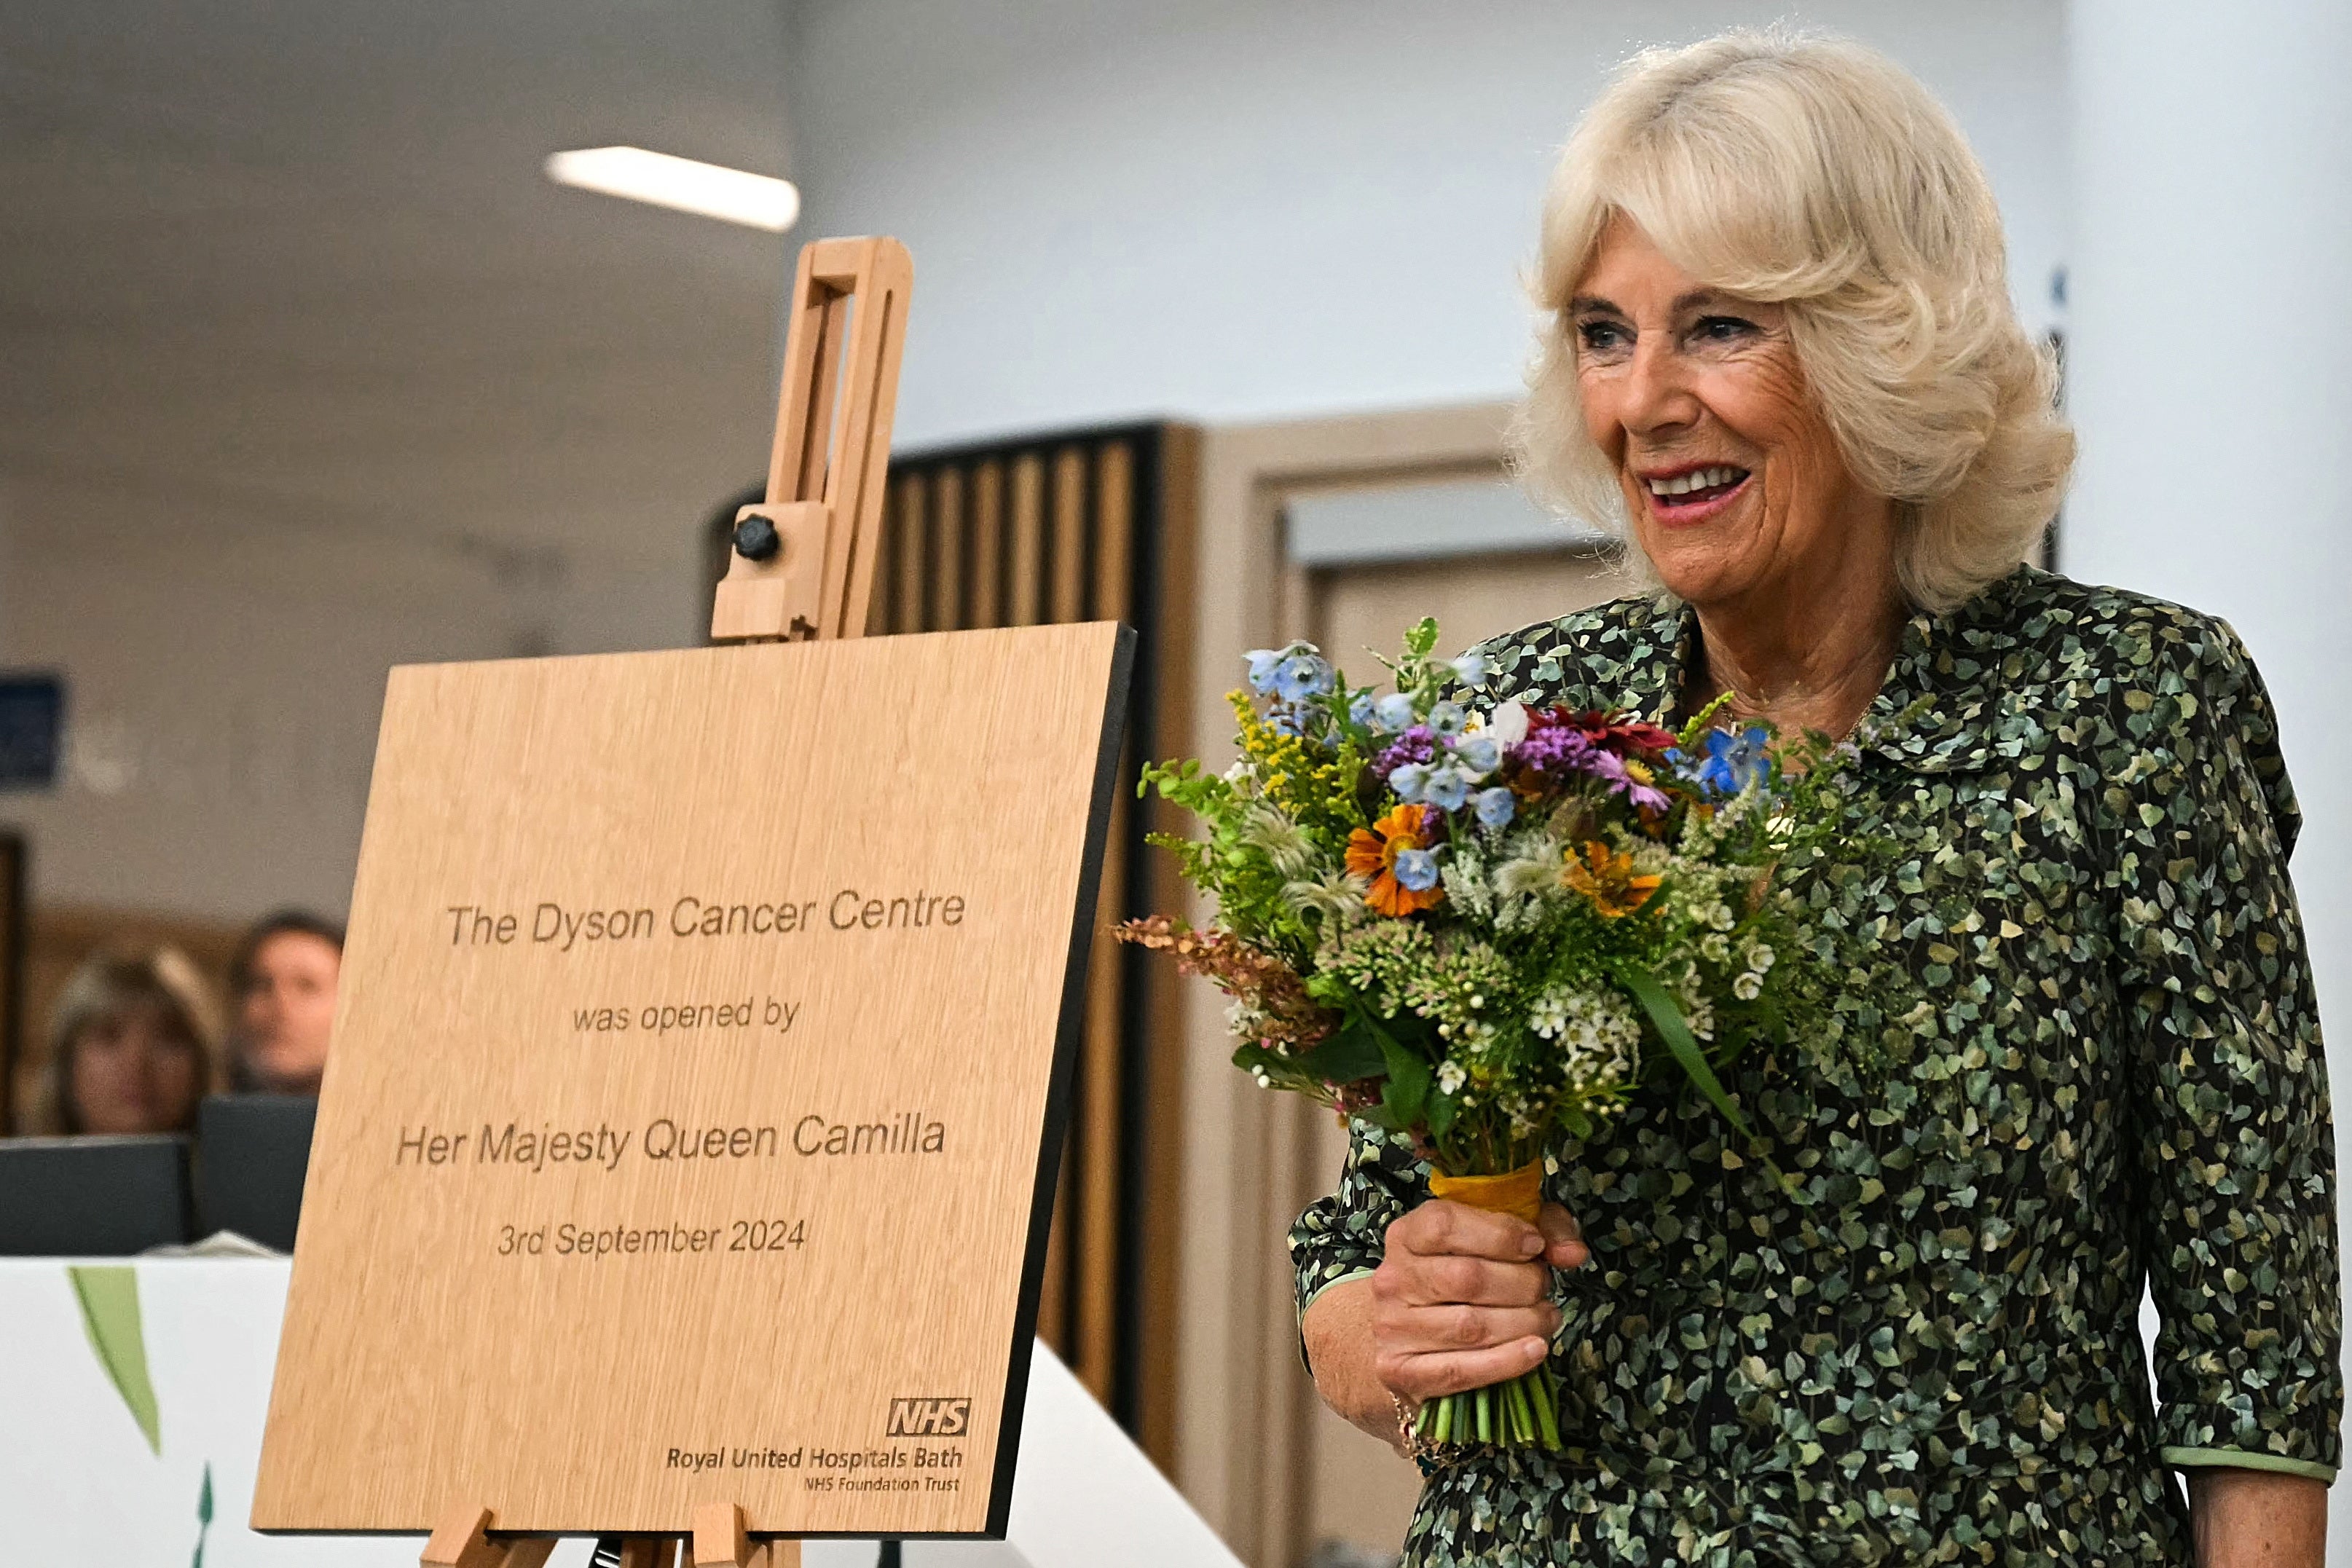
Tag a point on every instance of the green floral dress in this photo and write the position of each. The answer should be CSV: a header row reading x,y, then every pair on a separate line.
x,y
2073,931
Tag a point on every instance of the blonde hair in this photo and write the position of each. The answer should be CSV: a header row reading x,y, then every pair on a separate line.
x,y
1816,173
107,984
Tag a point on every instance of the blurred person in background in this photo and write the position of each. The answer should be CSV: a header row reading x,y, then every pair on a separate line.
x,y
283,985
133,1047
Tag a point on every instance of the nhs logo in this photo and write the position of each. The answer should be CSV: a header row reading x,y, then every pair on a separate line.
x,y
943,1417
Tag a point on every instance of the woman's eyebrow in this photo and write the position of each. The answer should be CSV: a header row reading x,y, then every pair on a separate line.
x,y
1592,305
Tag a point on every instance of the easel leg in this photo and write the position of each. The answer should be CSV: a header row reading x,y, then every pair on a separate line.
x,y
720,1541
718,1538
463,1540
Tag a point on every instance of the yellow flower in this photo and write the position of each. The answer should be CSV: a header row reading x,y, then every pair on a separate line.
x,y
1607,877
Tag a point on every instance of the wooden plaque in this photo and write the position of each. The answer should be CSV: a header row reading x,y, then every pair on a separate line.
x,y
699,1076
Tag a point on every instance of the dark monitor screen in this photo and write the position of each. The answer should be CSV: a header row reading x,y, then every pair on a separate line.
x,y
252,1152
92,1196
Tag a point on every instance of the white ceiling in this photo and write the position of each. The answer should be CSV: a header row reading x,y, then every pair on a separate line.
x,y
296,261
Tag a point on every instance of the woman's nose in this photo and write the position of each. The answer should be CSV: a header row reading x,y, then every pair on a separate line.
x,y
1657,391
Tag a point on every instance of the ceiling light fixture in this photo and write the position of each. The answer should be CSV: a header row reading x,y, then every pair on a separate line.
x,y
732,195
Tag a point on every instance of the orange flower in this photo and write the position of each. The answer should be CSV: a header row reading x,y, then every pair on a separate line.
x,y
1374,852
1606,876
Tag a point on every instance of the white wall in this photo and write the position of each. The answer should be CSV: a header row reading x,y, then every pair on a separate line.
x,y
224,677
2211,371
1231,209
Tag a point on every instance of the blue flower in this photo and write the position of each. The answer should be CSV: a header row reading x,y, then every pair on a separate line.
x,y
1447,790
1302,675
1392,712
1263,662
1732,762
1359,709
1496,807
1447,718
1409,779
1415,870
1477,755
1471,669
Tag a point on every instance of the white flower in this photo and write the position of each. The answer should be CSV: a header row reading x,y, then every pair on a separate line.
x,y
1507,726
1549,1015
1760,958
1715,947
1721,917
1747,987
1450,1077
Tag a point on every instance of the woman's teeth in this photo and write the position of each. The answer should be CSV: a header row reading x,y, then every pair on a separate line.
x,y
1698,479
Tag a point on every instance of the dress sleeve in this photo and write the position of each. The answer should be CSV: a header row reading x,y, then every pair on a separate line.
x,y
1342,1237
2229,1105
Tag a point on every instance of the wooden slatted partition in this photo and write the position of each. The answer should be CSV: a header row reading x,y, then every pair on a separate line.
x,y
1084,526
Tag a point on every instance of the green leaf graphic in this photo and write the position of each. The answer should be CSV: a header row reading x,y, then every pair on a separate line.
x,y
204,1516
108,1295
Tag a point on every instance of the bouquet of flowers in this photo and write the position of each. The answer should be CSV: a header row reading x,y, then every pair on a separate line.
x,y
1480,925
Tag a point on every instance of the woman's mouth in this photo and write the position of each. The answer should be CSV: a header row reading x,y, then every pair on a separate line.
x,y
1692,495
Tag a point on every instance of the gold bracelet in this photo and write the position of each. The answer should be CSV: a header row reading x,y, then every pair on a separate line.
x,y
1416,1447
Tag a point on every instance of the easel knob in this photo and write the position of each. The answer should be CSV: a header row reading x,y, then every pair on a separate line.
x,y
775,587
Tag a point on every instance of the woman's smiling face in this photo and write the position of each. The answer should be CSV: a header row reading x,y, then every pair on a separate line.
x,y
1733,479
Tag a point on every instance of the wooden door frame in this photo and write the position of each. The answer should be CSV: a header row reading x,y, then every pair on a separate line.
x,y
1242,1403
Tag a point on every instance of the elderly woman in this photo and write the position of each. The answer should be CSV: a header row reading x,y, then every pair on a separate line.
x,y
1780,346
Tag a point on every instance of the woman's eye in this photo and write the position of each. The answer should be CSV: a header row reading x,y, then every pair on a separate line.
x,y
1722,328
1602,337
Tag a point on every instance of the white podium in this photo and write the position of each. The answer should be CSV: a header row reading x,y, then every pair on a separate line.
x,y
79,1479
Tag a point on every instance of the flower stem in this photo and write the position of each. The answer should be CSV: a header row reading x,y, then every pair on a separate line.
x,y
1546,1397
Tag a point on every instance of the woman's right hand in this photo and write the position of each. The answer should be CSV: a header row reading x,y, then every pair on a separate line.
x,y
1462,1298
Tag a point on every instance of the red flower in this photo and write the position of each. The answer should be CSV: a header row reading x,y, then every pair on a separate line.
x,y
1608,729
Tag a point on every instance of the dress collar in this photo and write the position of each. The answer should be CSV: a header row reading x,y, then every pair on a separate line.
x,y
1951,701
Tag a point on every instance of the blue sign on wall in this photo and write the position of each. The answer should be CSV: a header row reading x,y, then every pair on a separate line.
x,y
32,730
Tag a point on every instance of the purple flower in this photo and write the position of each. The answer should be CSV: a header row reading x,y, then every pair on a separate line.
x,y
1415,745
1555,750
1608,766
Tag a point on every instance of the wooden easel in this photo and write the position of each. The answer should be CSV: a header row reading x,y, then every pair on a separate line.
x,y
802,567
802,564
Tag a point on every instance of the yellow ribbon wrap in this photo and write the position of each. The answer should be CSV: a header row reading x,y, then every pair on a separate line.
x,y
1518,1192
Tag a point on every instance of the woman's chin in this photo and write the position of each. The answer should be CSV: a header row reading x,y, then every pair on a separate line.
x,y
1697,576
